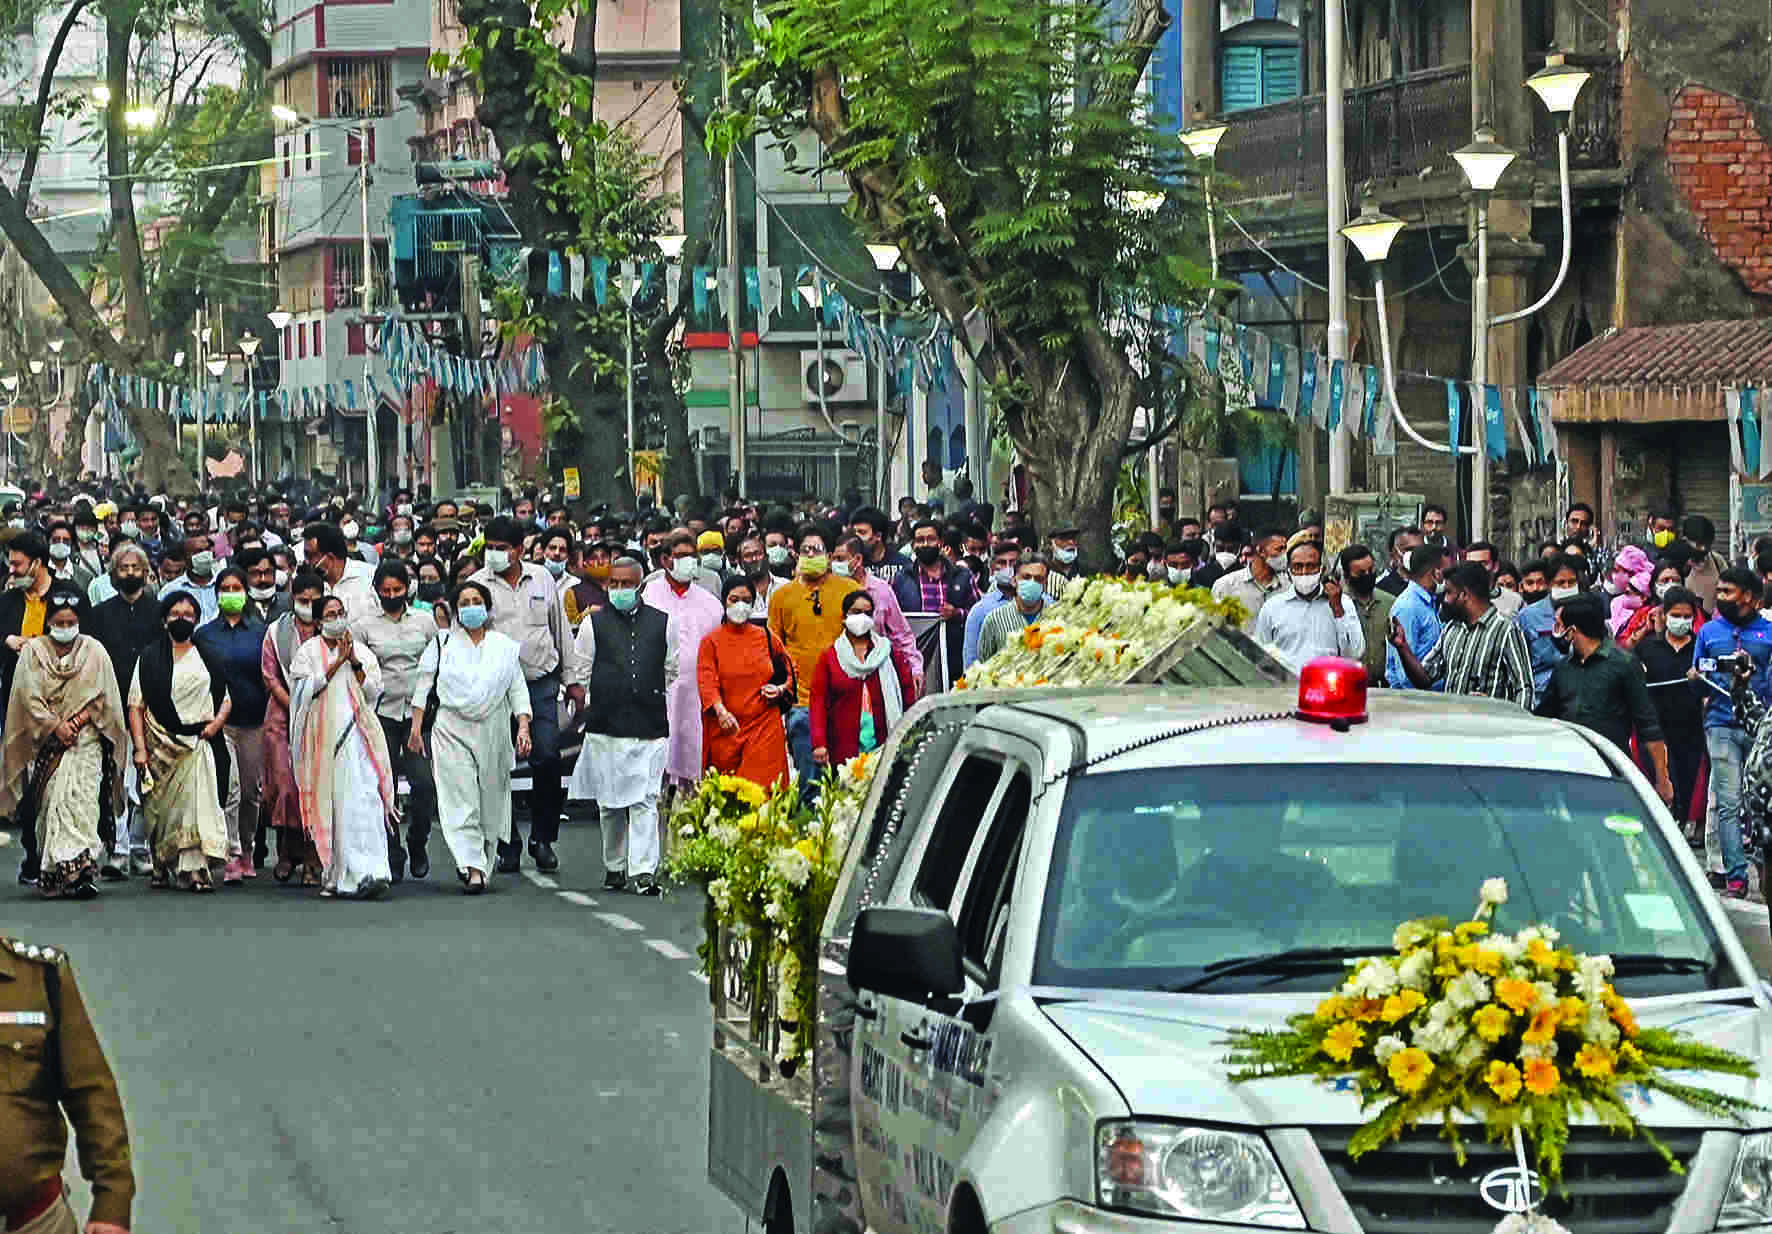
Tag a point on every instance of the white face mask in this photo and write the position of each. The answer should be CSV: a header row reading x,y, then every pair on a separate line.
x,y
1065,556
712,562
333,627
1613,588
1307,585
1004,578
738,612
282,578
402,536
263,595
1153,569
1179,575
498,560
350,530
1277,563
1225,560
60,552
1661,589
203,564
1679,627
683,569
842,569
304,612
64,634
777,554
859,624
1559,594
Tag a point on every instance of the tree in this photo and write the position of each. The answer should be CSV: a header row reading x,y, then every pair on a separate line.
x,y
140,312
1003,146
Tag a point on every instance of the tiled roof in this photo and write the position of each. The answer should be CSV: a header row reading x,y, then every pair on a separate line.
x,y
1697,353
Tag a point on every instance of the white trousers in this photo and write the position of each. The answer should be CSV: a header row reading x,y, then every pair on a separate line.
x,y
630,836
472,763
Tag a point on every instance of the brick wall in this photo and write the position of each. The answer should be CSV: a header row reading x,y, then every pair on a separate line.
x,y
1722,167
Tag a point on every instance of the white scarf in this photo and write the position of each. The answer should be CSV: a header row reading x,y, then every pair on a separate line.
x,y
861,670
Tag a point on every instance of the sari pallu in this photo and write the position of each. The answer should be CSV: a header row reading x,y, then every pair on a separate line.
x,y
70,794
333,728
155,672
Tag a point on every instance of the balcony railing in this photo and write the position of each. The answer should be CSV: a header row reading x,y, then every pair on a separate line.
x,y
1396,129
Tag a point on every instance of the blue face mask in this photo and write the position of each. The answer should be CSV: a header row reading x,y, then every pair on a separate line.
x,y
1029,591
624,599
471,616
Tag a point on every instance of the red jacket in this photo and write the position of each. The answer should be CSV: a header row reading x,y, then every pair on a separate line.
x,y
836,704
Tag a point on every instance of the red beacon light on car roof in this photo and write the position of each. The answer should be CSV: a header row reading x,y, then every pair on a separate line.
x,y
1332,691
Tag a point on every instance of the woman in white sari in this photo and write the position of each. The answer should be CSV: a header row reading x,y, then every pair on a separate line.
x,y
343,776
178,704
60,764
479,687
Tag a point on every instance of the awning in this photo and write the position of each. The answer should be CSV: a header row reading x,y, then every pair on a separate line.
x,y
1657,374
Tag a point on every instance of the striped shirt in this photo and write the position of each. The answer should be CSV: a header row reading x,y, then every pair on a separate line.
x,y
1488,659
1003,624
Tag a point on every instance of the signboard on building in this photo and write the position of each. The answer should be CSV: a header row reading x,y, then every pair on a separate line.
x,y
1753,513
569,478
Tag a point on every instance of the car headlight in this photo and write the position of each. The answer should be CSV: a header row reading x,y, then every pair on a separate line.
x,y
1749,1198
1201,1172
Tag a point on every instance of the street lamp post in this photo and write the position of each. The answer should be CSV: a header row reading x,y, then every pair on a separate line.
x,y
671,246
885,257
279,318
10,383
217,365
249,348
1202,142
1484,162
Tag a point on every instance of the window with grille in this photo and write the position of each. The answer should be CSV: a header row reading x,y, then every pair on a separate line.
x,y
359,88
347,273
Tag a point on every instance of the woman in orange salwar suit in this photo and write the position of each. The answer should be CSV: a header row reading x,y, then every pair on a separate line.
x,y
744,673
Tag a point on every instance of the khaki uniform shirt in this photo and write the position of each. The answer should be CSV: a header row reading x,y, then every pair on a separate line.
x,y
36,1029
397,645
534,616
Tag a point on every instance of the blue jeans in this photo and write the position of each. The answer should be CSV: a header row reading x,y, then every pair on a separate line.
x,y
1728,752
800,744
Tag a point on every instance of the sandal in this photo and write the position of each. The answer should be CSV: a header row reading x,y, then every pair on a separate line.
x,y
284,871
200,882
160,880
310,877
475,881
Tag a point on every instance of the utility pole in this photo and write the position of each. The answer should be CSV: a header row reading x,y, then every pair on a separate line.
x,y
372,490
734,318
1341,438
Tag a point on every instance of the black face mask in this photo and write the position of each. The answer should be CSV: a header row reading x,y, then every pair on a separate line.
x,y
928,554
1533,595
181,629
784,570
131,585
430,593
393,604
1561,644
1363,584
755,569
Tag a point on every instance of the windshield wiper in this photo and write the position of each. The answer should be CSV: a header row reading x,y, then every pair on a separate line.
x,y
1648,962
1291,960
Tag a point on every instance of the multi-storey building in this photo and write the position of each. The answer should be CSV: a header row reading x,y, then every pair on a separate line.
x,y
341,155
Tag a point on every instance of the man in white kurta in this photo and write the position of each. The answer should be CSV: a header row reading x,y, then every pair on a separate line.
x,y
623,774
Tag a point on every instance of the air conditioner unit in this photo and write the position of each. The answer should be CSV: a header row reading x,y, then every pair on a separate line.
x,y
844,376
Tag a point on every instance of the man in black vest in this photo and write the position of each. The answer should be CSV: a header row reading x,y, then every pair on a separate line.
x,y
123,625
627,661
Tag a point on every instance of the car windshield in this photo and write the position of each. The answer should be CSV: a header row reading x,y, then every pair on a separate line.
x,y
1185,878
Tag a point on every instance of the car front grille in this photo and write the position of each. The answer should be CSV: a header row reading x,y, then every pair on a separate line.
x,y
1611,1184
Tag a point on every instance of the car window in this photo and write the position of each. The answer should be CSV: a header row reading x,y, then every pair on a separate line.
x,y
1158,873
962,810
984,907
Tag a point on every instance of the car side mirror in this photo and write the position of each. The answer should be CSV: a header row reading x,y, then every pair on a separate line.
x,y
908,953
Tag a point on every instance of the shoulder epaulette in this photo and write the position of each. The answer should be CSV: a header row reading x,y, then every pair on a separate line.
x,y
32,951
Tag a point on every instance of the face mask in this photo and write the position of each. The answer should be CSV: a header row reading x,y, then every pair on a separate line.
x,y
1363,584
1662,539
131,584
304,612
1661,590
624,599
1560,642
1559,594
1307,585
777,554
350,530
1179,575
556,568
1065,556
1613,588
1153,569
264,595
202,563
392,605
684,569
815,566
713,562
599,572
1532,595
1277,564
738,612
334,627
430,593
64,634
60,551
859,624
404,507
282,578
842,569
498,560
18,582
928,554
1003,578
231,602
1030,591
471,616
129,528
402,537
181,629
1225,560
1679,627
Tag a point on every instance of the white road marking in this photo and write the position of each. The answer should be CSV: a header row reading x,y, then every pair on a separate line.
x,y
669,951
577,897
618,921
664,947
541,880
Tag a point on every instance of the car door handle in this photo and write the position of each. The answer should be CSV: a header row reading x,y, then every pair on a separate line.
x,y
865,1011
916,1041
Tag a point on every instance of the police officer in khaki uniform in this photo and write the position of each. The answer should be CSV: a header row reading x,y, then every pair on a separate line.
x,y
50,1065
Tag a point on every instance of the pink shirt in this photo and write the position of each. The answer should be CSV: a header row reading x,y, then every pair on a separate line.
x,y
889,617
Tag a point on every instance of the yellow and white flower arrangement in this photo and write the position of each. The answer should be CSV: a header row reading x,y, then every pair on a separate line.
x,y
1511,1031
1099,633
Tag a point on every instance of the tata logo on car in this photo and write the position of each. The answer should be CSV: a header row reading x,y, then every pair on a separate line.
x,y
1511,1189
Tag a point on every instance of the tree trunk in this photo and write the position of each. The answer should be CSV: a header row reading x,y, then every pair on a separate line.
x,y
1074,487
68,459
